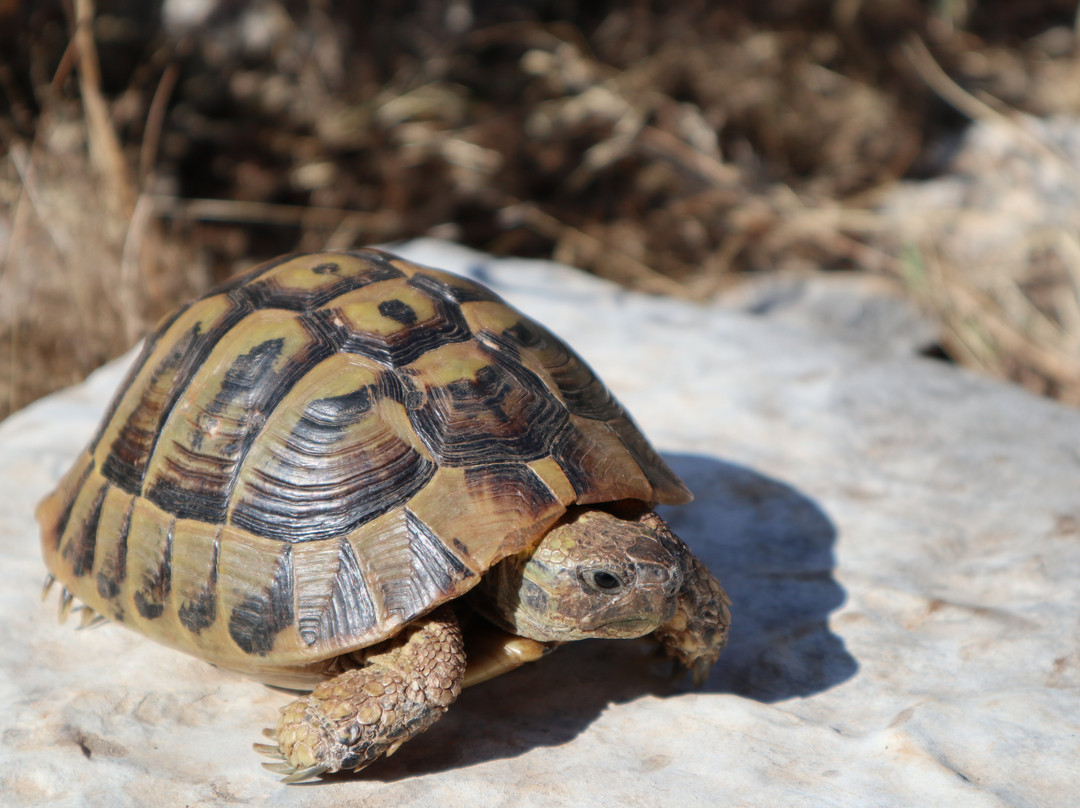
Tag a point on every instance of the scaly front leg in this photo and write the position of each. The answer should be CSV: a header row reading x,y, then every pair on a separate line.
x,y
350,720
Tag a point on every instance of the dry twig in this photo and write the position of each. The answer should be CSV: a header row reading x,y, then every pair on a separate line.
x,y
105,148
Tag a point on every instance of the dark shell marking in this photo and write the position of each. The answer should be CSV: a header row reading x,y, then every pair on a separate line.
x,y
326,447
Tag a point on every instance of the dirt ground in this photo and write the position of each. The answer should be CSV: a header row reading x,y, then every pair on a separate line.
x,y
149,149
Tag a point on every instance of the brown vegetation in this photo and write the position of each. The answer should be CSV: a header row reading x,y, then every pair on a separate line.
x,y
672,147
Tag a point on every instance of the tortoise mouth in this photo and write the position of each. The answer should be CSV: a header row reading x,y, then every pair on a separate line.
x,y
626,627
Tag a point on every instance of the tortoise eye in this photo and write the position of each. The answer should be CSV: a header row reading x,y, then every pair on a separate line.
x,y
605,581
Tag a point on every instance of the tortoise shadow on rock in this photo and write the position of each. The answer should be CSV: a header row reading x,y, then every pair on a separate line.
x,y
771,546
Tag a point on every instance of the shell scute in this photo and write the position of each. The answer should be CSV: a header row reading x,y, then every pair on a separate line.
x,y
110,560
336,422
482,407
195,573
78,545
393,323
306,282
333,600
149,561
202,443
499,513
451,288
265,608
504,331
364,586
124,445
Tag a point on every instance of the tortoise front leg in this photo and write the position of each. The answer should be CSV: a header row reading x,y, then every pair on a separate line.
x,y
698,630
350,720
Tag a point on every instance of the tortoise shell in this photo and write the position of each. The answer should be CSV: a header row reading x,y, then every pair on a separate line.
x,y
325,448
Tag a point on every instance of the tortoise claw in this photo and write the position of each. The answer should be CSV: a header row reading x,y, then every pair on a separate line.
x,y
293,774
279,768
268,750
300,776
65,605
700,671
50,579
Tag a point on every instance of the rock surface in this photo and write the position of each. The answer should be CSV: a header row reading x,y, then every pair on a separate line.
x,y
901,540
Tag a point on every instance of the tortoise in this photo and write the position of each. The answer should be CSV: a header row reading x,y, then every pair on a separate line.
x,y
336,469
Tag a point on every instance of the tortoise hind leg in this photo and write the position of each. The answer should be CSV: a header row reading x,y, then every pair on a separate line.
x,y
352,719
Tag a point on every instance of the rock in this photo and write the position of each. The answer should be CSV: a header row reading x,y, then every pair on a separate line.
x,y
871,311
901,540
1002,192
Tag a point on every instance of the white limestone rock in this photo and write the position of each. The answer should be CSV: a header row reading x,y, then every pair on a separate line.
x,y
901,540
872,311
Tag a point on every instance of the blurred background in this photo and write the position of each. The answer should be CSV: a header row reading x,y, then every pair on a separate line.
x,y
743,151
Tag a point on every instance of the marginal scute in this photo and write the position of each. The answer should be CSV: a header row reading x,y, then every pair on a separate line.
x,y
608,460
149,558
110,561
408,565
346,608
435,567
80,537
321,569
357,590
196,547
402,568
667,488
54,512
259,577
549,470
386,547
596,463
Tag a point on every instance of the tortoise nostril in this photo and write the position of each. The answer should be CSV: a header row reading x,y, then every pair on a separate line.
x,y
672,586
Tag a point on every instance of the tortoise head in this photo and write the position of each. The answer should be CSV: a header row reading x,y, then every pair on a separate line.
x,y
592,575
596,574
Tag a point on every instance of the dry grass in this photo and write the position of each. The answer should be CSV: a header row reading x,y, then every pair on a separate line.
x,y
671,150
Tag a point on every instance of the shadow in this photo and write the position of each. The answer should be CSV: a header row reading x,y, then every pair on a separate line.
x,y
772,548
